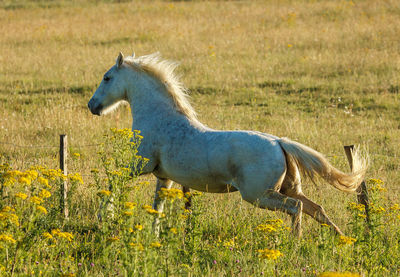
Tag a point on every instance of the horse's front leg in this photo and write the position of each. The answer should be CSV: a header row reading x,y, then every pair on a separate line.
x,y
186,192
158,203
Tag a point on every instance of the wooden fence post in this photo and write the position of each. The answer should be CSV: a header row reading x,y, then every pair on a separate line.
x,y
362,192
63,167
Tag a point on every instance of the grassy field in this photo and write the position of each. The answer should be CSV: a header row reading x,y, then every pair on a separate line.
x,y
324,73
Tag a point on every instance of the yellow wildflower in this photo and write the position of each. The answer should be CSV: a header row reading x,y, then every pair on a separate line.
x,y
31,174
55,231
229,243
155,244
395,207
63,235
112,239
94,171
41,209
76,155
47,235
24,180
343,240
338,274
359,207
138,227
173,230
76,177
44,194
43,181
7,209
128,213
267,228
129,205
138,246
21,195
105,192
146,207
269,254
7,238
6,214
152,211
36,200
170,194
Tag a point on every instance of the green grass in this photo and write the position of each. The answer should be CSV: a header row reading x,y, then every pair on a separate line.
x,y
324,73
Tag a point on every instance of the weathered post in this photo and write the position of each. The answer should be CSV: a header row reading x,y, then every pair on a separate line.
x,y
63,167
362,192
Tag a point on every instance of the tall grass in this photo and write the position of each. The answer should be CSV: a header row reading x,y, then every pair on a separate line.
x,y
324,73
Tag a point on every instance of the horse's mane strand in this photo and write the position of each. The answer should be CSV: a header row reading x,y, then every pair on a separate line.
x,y
164,71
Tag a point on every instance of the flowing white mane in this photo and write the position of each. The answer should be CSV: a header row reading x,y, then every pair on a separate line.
x,y
164,71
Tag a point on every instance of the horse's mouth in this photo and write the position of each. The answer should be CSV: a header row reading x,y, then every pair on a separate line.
x,y
95,110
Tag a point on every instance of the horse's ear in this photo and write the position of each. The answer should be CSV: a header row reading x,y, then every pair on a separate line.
x,y
120,59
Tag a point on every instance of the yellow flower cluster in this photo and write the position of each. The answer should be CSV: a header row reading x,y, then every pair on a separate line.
x,y
170,194
104,192
7,238
376,185
129,205
138,227
122,132
36,200
47,235
358,207
269,254
395,207
53,174
155,244
152,211
41,209
44,194
271,226
112,239
21,195
137,246
25,178
338,274
64,235
43,181
76,177
343,240
7,215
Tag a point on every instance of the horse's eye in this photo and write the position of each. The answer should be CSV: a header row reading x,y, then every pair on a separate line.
x,y
106,78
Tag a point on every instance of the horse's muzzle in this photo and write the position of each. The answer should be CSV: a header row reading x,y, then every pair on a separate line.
x,y
96,110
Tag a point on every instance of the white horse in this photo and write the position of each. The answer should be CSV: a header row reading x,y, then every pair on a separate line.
x,y
265,169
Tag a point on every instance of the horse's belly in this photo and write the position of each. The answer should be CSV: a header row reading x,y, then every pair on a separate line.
x,y
214,188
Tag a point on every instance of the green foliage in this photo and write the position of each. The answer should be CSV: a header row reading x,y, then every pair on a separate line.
x,y
35,239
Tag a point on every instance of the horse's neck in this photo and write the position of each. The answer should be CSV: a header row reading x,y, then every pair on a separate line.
x,y
153,109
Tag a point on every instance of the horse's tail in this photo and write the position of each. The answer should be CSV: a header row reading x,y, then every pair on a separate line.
x,y
309,162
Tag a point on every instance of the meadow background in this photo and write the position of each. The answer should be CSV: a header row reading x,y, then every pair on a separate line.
x,y
324,73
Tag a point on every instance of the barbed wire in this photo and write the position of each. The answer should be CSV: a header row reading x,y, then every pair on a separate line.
x,y
98,144
48,146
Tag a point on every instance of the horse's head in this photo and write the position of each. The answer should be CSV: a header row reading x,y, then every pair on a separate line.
x,y
111,90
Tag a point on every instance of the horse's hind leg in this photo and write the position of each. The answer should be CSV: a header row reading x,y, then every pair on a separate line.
x,y
317,212
309,207
186,192
273,200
